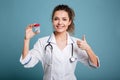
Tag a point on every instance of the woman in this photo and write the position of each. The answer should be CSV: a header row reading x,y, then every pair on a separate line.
x,y
58,52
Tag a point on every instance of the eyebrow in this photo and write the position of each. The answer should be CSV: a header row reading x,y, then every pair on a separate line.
x,y
62,17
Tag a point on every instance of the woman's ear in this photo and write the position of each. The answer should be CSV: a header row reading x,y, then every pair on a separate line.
x,y
69,22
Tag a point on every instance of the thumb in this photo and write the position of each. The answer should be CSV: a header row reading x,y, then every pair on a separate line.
x,y
36,32
83,38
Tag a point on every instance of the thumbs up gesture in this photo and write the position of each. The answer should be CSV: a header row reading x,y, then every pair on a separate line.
x,y
83,43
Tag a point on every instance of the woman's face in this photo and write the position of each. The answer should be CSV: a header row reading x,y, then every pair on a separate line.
x,y
61,21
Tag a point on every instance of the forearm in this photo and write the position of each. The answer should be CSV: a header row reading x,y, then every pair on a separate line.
x,y
28,35
84,46
25,48
92,56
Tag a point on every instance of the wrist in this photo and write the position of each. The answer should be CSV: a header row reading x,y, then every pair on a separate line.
x,y
26,41
26,38
88,48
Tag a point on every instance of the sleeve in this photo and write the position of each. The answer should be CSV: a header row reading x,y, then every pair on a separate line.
x,y
34,56
83,58
98,62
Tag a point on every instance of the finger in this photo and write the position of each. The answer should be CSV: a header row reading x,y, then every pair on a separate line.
x,y
36,32
30,26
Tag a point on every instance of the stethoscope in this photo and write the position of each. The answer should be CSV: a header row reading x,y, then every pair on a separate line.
x,y
72,58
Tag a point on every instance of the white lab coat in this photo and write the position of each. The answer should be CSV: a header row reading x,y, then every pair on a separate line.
x,y
56,65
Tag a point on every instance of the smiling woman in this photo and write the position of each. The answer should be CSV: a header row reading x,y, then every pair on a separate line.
x,y
67,14
54,51
61,21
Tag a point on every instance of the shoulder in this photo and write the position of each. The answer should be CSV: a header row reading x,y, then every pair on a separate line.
x,y
41,42
44,39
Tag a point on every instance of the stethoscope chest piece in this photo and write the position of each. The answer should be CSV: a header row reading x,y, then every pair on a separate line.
x,y
72,59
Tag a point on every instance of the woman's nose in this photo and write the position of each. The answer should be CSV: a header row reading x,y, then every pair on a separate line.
x,y
60,22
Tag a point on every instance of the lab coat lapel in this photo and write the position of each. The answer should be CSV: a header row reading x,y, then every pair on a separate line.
x,y
52,39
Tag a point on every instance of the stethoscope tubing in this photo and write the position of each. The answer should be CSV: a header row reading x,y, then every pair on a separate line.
x,y
72,59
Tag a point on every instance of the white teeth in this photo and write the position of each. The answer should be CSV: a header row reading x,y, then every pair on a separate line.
x,y
60,26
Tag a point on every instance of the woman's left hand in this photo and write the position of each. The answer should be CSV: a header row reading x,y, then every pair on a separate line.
x,y
83,44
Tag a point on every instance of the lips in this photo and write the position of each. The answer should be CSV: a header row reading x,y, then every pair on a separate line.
x,y
59,27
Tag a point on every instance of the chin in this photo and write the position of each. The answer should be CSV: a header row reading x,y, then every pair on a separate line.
x,y
60,31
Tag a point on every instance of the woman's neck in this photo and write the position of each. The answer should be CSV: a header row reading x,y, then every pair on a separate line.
x,y
61,39
61,36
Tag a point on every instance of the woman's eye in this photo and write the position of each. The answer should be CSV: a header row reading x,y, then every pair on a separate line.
x,y
64,19
55,19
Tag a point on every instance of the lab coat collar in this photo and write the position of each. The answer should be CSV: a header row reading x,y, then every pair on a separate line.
x,y
52,39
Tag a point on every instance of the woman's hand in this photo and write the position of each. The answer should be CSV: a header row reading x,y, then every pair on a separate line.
x,y
29,32
83,43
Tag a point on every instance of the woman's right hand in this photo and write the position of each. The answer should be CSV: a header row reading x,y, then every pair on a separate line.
x,y
29,32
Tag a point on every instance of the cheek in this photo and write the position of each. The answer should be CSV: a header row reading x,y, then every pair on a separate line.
x,y
54,23
67,27
67,24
